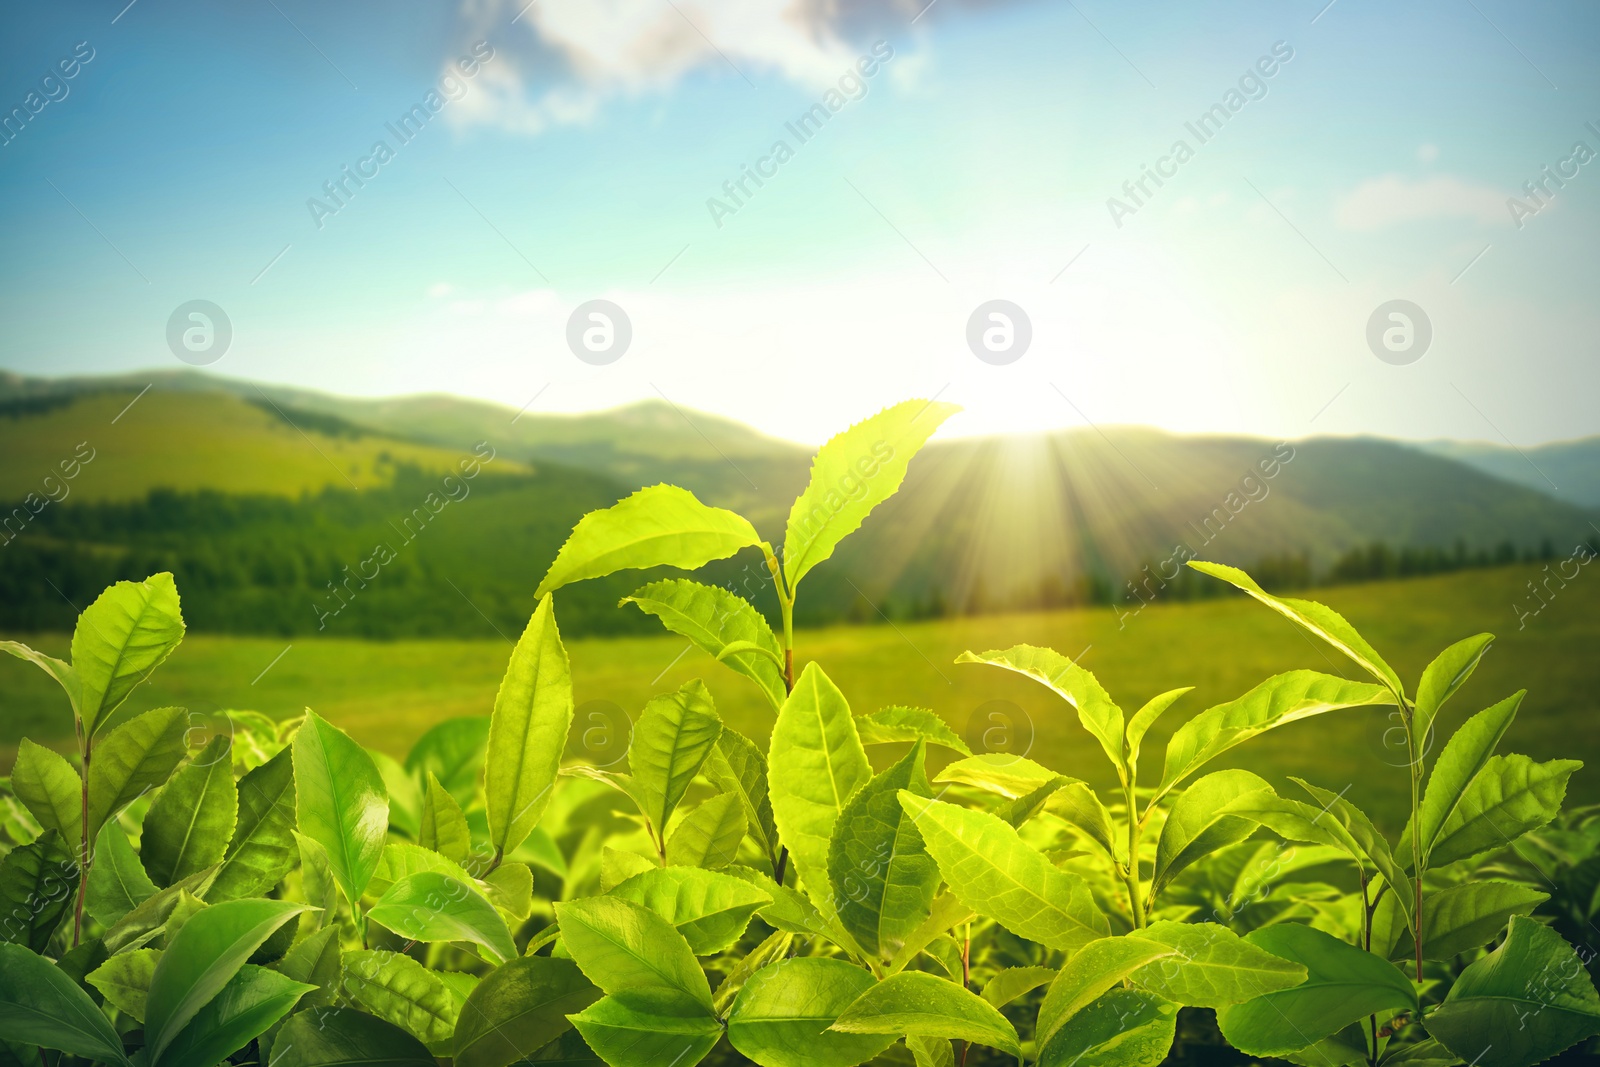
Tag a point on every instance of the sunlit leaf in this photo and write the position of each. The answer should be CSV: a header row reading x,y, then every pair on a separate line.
x,y
782,1016
714,619
119,639
918,1004
532,714
1098,713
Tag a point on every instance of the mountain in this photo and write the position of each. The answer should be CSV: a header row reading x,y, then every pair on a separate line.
x,y
271,503
1568,470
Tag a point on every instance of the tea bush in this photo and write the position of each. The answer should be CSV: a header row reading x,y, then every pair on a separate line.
x,y
276,894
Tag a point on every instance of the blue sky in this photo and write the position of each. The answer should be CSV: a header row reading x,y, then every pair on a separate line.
x,y
975,163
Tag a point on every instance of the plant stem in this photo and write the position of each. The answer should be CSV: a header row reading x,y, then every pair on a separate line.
x,y
86,745
1413,747
1366,940
1135,900
780,865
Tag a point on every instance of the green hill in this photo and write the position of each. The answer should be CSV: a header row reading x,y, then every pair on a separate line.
x,y
1568,470
278,508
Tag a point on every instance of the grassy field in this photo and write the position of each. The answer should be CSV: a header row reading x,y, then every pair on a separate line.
x,y
387,694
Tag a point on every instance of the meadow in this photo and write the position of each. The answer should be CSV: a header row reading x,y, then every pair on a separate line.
x,y
386,694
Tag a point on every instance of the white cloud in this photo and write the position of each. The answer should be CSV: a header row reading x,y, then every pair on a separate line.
x,y
563,58
1391,199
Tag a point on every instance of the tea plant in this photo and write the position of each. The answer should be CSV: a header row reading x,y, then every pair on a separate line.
x,y
278,894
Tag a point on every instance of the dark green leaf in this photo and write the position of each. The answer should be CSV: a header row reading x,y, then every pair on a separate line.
x,y
263,848
399,990
344,1037
37,883
39,1005
649,1029
51,790
204,955
191,820
124,980
136,757
1124,1028
243,1010
1345,984
1521,1004
518,1009
883,879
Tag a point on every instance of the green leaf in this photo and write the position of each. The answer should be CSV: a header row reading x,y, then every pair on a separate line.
x,y
931,1052
918,1004
671,740
251,1002
1214,966
710,909
40,1005
443,827
509,888
618,865
709,835
315,960
1096,710
853,473
1521,1004
344,1037
947,913
1510,796
1447,673
1124,1028
405,794
37,883
715,619
399,990
1010,776
51,790
1371,844
1081,806
148,921
782,1016
1281,699
649,1029
63,673
995,873
263,848
773,949
1196,826
532,715
1345,984
136,757
737,766
790,909
340,802
401,859
625,947
816,764
1464,917
1089,973
897,724
883,879
1146,717
204,955
662,526
452,751
192,818
1318,619
1013,982
519,1008
117,881
431,907
119,639
124,980
1468,749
